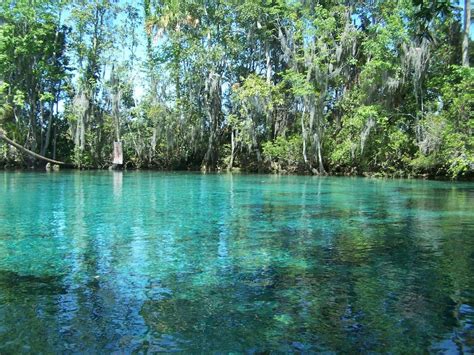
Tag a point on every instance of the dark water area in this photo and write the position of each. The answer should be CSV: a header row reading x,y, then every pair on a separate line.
x,y
148,262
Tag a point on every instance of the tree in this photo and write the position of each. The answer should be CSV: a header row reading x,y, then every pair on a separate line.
x,y
92,38
296,86
33,64
466,33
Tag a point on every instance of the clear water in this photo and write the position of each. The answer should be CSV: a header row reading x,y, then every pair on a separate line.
x,y
147,262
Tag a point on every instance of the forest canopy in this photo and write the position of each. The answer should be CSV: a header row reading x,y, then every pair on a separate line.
x,y
288,86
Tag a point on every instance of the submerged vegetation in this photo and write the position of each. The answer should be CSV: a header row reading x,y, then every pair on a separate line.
x,y
152,262
380,87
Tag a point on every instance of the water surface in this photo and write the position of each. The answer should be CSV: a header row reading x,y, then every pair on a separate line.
x,y
148,262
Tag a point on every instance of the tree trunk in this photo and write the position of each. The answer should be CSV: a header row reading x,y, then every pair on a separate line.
x,y
32,124
232,152
55,140
210,158
27,151
268,59
48,134
467,28
116,97
213,87
303,133
320,156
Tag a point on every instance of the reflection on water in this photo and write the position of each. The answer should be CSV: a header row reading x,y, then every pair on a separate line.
x,y
118,178
107,261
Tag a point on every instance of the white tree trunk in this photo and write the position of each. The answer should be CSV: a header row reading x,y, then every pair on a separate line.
x,y
467,28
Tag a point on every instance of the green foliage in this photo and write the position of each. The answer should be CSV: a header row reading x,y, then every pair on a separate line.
x,y
284,154
32,67
286,86
300,87
448,145
4,106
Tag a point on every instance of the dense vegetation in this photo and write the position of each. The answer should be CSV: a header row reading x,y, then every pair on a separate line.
x,y
378,87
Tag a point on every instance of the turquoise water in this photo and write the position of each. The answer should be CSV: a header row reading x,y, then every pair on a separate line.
x,y
147,262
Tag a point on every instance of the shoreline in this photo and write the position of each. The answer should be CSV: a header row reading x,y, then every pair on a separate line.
x,y
237,171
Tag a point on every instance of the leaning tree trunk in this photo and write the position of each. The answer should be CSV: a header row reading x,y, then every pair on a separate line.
x,y
27,151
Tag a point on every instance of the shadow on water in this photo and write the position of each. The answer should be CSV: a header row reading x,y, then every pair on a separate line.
x,y
14,284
